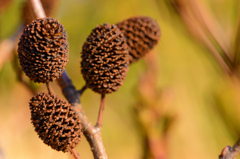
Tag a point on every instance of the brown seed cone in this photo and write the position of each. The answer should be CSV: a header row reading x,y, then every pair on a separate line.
x,y
28,14
142,34
104,62
55,121
43,50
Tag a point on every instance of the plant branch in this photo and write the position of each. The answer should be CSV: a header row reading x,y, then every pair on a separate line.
x,y
82,89
202,27
74,153
19,73
8,46
100,114
230,152
92,134
38,8
50,91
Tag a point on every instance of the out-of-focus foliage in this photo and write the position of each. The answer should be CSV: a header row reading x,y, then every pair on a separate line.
x,y
204,101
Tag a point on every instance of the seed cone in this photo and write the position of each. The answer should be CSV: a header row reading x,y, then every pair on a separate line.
x,y
142,34
104,62
55,121
28,14
43,50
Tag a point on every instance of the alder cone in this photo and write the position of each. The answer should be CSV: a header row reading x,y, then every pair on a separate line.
x,y
43,50
142,34
104,62
28,13
55,121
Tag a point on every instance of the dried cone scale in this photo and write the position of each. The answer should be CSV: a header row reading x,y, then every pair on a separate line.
x,y
43,50
55,121
104,62
142,34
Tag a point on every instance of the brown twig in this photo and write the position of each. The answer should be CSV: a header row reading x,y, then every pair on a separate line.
x,y
92,133
82,89
202,28
38,8
150,110
236,47
100,114
8,46
19,73
74,154
208,22
230,152
50,90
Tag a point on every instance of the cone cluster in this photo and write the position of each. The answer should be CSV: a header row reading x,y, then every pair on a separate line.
x,y
104,62
55,121
109,49
142,34
43,50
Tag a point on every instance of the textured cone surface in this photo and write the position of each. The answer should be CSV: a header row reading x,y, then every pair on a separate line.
x,y
55,121
104,62
142,34
28,14
43,50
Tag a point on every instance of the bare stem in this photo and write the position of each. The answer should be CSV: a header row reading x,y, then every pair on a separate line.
x,y
19,73
229,152
82,90
202,28
50,91
74,154
38,9
92,134
101,109
8,46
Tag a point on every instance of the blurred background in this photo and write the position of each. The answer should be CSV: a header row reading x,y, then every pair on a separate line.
x,y
181,101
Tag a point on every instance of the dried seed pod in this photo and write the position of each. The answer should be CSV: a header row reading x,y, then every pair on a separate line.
x,y
142,34
55,121
104,62
28,14
43,50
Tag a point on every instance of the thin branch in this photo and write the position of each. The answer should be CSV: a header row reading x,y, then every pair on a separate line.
x,y
196,28
230,152
8,46
92,133
38,8
19,73
100,114
74,154
82,89
50,91
212,27
236,42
